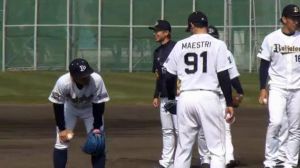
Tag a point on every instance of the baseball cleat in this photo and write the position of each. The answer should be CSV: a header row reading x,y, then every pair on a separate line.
x,y
232,164
205,165
159,166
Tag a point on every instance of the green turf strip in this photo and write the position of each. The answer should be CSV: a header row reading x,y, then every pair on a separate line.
x,y
123,88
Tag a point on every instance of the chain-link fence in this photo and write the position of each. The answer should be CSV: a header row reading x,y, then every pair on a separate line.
x,y
113,35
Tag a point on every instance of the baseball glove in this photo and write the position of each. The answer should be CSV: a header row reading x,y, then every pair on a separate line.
x,y
236,100
170,106
95,144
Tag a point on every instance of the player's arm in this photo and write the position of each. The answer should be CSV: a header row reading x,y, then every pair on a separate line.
x,y
156,93
98,111
60,122
171,85
234,75
59,116
263,73
155,101
238,98
98,103
263,76
264,54
224,81
171,75
57,97
222,67
236,84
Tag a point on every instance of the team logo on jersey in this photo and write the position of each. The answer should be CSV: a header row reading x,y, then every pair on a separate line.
x,y
286,49
82,68
81,100
58,97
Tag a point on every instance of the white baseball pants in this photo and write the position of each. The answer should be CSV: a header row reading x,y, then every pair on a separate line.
x,y
195,110
71,115
202,147
169,134
283,102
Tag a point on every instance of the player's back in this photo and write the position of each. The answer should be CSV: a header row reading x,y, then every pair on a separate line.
x,y
197,59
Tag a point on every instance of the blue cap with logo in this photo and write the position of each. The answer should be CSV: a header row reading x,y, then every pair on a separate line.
x,y
80,68
161,25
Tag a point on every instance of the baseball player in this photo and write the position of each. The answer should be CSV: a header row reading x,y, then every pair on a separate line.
x,y
280,60
201,65
162,34
235,82
81,93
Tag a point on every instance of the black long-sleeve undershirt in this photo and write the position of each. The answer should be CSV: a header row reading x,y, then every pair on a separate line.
x,y
225,85
98,110
156,92
236,84
171,85
263,73
59,116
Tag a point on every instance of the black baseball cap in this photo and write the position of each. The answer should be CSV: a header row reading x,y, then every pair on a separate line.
x,y
213,31
80,68
291,10
198,18
161,25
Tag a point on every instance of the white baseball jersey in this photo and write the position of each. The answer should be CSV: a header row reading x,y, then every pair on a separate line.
x,y
196,60
66,91
284,54
233,72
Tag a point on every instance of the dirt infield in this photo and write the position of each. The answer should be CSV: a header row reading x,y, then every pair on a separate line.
x,y
133,137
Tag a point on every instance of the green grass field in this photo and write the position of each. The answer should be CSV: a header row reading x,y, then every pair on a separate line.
x,y
123,88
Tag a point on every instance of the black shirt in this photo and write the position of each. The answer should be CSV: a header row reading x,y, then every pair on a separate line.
x,y
160,55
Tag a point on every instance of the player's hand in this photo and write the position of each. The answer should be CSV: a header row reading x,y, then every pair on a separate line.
x,y
229,115
155,102
240,97
65,135
96,131
263,97
237,100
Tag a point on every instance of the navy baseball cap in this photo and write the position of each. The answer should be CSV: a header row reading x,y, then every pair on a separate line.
x,y
161,25
213,31
291,10
80,68
198,18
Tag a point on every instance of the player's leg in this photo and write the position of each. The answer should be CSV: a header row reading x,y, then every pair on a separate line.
x,y
293,115
212,119
283,134
229,155
175,125
168,136
98,161
202,148
60,153
188,129
277,108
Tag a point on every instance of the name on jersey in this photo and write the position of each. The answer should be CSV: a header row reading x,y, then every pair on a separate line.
x,y
194,45
286,49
